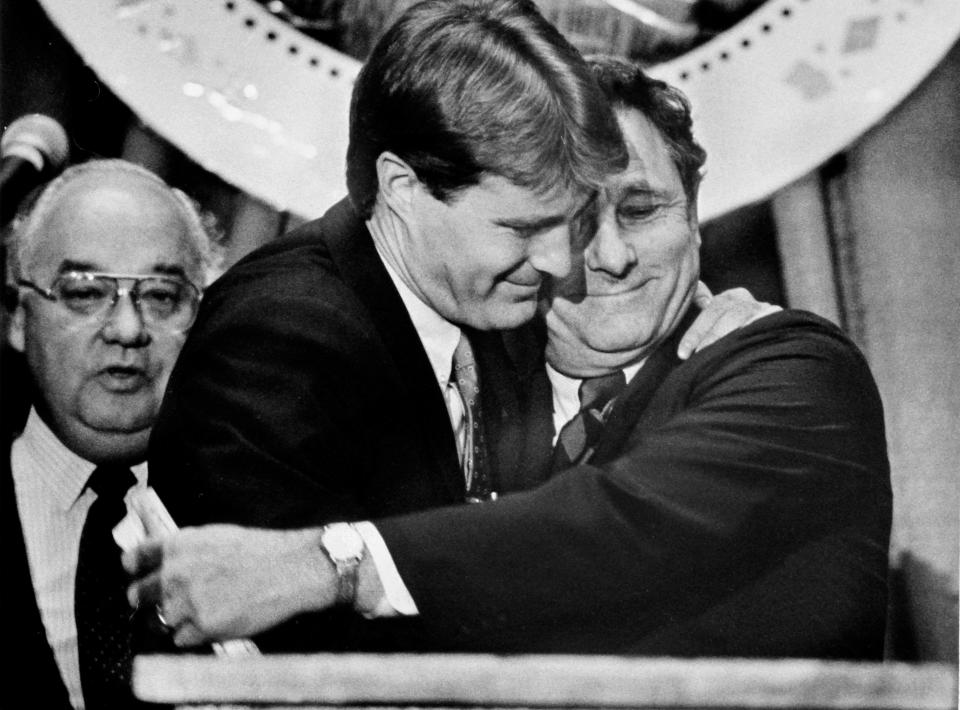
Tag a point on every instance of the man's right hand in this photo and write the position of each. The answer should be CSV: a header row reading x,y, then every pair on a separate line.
x,y
222,582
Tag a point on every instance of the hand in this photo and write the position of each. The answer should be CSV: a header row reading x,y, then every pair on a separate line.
x,y
720,315
222,581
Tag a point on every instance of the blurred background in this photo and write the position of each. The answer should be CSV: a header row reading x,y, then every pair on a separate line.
x,y
833,177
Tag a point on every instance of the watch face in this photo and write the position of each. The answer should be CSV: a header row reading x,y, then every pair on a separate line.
x,y
342,542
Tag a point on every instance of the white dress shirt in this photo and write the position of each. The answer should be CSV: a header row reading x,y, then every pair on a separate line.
x,y
439,338
50,482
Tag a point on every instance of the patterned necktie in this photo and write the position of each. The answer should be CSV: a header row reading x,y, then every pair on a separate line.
x,y
103,615
471,442
579,436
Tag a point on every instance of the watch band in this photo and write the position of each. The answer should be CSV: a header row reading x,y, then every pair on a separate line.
x,y
347,578
344,547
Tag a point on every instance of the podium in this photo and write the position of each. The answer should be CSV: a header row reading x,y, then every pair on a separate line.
x,y
587,682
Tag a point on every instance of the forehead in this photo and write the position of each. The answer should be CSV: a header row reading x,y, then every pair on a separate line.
x,y
650,159
123,224
497,197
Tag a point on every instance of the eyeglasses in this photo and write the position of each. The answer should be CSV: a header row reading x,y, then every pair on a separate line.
x,y
164,302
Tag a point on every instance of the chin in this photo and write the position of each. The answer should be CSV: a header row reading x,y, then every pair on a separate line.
x,y
124,418
504,317
101,446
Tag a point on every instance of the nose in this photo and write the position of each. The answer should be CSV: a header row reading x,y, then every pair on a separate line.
x,y
550,251
609,252
124,323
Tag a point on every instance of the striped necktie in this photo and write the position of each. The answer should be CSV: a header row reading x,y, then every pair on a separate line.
x,y
579,436
469,429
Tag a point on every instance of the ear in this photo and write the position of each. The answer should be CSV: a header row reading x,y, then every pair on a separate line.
x,y
16,326
397,183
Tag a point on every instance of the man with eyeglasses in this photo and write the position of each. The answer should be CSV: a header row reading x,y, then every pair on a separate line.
x,y
735,504
107,266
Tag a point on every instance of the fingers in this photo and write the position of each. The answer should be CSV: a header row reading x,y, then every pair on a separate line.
x,y
702,296
693,339
144,558
188,635
765,310
172,608
146,591
721,314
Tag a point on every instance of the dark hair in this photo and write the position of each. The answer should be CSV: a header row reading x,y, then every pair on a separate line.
x,y
463,88
627,86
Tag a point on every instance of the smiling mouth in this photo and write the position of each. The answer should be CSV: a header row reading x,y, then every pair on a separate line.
x,y
633,289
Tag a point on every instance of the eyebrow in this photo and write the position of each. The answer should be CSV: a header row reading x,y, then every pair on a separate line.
x,y
642,187
639,188
532,224
71,265
164,269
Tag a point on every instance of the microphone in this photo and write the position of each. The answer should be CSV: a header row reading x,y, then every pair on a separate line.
x,y
34,148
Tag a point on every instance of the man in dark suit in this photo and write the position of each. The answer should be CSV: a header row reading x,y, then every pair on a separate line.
x,y
316,383
737,503
105,266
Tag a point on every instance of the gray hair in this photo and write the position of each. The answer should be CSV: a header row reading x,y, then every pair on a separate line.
x,y
201,225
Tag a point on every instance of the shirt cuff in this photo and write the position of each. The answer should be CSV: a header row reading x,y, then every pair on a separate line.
x,y
396,600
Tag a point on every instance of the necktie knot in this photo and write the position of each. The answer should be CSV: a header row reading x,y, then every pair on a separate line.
x,y
111,482
578,437
596,393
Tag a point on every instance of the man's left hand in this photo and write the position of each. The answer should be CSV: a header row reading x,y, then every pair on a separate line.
x,y
720,315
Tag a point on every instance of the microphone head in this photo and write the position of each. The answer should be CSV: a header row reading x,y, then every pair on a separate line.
x,y
38,139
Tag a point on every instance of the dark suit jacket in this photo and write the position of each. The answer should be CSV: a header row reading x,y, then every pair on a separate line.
x,y
738,504
31,677
303,395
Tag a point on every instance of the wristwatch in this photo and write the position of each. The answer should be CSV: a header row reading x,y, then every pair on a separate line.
x,y
344,546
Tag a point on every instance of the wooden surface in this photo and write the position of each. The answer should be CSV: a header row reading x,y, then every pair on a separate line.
x,y
540,681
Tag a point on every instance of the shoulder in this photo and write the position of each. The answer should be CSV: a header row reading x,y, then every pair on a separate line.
x,y
292,280
791,334
792,364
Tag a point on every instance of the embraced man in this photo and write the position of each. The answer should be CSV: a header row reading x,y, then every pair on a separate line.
x,y
737,503
106,267
316,385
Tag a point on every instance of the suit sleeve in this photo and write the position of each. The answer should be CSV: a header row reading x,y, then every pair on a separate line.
x,y
752,454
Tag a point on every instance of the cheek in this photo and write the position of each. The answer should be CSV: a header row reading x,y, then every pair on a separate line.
x,y
163,354
60,363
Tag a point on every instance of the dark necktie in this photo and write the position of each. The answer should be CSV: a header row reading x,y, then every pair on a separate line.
x,y
580,435
473,457
103,615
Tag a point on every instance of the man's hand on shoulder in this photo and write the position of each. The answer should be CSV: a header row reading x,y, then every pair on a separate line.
x,y
720,315
223,581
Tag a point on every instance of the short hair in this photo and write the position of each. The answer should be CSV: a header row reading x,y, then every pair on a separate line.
x,y
460,89
201,226
627,86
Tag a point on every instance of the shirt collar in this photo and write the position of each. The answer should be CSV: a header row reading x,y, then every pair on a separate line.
x,y
60,470
439,336
566,390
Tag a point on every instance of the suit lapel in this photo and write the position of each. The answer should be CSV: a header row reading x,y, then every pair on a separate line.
x,y
356,259
501,388
531,466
